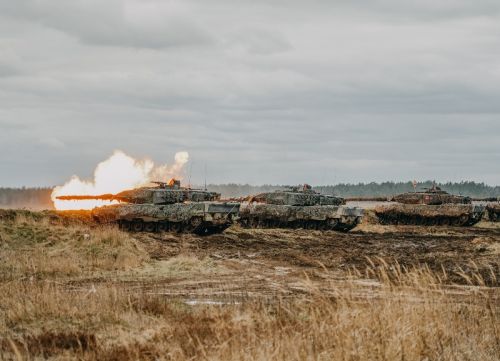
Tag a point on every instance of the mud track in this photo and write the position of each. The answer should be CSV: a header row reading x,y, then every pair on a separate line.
x,y
406,245
275,261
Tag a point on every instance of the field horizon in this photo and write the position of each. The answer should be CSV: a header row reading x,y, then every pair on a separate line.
x,y
39,198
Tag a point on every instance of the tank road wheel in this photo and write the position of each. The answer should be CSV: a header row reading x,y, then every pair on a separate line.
x,y
244,222
150,227
464,220
323,225
137,226
331,224
176,227
310,225
446,222
382,220
124,225
254,222
196,221
163,227
194,224
274,223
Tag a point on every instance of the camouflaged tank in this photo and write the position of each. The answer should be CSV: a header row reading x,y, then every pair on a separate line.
x,y
432,207
493,210
166,207
299,207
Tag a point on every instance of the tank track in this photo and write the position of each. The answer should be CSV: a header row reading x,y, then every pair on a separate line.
x,y
493,212
198,228
326,225
426,221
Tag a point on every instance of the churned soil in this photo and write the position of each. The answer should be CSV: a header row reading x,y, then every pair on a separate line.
x,y
270,261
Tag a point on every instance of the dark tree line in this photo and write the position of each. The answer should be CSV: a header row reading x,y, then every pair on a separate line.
x,y
33,198
385,189
471,189
39,198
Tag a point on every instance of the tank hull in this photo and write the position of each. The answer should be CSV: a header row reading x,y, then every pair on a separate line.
x,y
493,212
338,218
430,215
201,218
431,198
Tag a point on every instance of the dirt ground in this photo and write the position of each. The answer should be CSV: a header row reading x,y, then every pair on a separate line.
x,y
243,263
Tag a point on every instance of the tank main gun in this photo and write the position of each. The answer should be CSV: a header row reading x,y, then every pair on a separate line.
x,y
102,197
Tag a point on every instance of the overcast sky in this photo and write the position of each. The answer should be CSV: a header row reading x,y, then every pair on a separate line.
x,y
258,91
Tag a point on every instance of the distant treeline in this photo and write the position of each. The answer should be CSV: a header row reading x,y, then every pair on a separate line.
x,y
33,198
472,189
39,198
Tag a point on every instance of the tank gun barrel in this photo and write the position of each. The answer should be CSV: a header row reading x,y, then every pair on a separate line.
x,y
103,197
489,199
369,199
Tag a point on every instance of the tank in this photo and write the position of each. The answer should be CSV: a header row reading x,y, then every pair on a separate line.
x,y
493,210
299,207
165,207
431,207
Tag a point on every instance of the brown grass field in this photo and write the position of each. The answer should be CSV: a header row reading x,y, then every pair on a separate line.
x,y
72,290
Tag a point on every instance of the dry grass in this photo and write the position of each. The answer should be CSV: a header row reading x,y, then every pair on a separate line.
x,y
182,266
39,248
383,312
487,224
410,317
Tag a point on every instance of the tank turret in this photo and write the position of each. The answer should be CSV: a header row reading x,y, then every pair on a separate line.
x,y
298,196
431,196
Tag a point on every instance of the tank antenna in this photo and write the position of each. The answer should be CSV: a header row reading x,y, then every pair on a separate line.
x,y
205,176
190,172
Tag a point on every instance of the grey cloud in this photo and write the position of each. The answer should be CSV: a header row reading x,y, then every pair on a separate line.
x,y
414,9
258,41
282,92
7,71
108,23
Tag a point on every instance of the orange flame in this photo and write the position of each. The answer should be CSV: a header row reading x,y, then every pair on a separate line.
x,y
117,173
